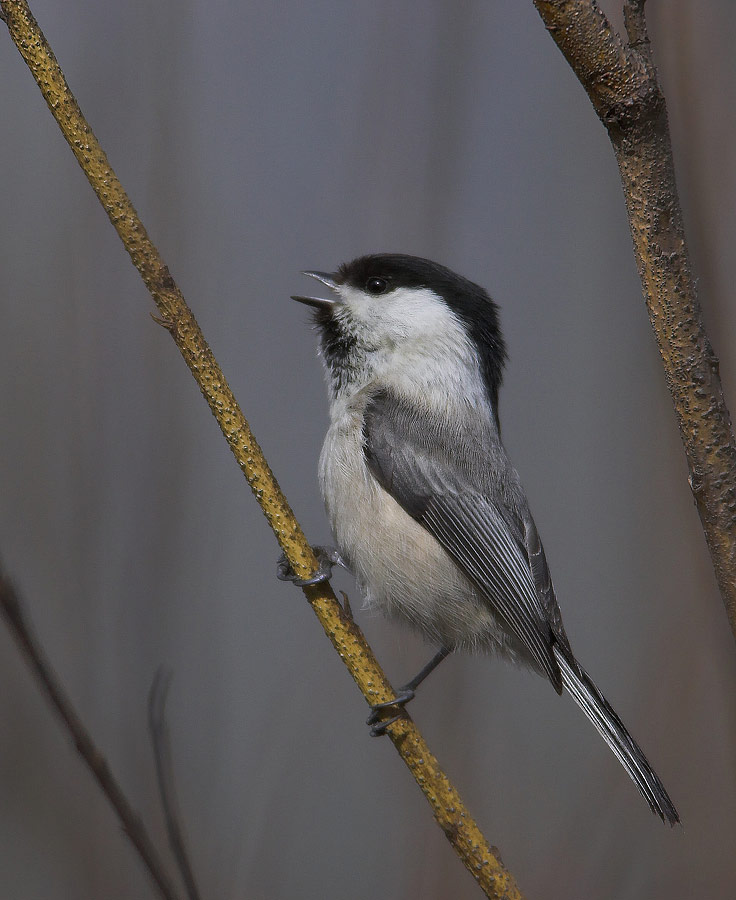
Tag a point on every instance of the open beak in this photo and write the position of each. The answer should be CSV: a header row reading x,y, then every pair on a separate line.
x,y
319,302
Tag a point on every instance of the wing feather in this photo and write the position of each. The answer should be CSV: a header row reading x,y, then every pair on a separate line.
x,y
462,489
442,482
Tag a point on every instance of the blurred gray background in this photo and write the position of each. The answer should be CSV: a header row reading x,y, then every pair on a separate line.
x,y
257,139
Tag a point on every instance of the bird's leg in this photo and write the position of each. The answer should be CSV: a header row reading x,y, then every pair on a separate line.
x,y
327,557
403,695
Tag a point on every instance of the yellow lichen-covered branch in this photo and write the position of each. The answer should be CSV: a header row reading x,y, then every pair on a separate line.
x,y
621,82
447,806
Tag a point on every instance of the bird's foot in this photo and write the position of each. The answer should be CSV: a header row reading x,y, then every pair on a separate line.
x,y
403,695
378,725
328,557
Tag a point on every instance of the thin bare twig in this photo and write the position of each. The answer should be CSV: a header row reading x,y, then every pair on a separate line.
x,y
447,806
165,777
12,610
636,29
621,82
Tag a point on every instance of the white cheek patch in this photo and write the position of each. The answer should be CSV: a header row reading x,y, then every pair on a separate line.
x,y
421,315
404,315
417,341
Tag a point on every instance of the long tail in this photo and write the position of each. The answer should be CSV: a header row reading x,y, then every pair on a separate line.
x,y
614,733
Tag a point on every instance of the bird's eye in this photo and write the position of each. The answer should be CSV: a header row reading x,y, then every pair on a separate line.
x,y
376,286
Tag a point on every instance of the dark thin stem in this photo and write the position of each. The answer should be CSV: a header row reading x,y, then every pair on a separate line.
x,y
165,776
35,657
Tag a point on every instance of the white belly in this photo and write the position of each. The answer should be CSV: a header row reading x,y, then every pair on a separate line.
x,y
401,569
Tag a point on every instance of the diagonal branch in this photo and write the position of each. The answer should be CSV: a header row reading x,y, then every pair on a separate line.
x,y
621,82
11,609
447,806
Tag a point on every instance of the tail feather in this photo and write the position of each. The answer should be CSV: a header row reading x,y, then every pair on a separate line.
x,y
614,733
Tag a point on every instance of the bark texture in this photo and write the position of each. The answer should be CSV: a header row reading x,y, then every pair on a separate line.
x,y
622,84
477,855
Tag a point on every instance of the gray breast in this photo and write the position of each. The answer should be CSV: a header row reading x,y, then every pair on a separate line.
x,y
400,568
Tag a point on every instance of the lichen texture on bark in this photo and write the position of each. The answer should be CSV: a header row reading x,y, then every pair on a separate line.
x,y
448,808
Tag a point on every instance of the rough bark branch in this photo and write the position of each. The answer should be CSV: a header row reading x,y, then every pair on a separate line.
x,y
622,84
12,611
447,806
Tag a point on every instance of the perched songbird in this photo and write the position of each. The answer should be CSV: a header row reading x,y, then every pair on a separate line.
x,y
426,509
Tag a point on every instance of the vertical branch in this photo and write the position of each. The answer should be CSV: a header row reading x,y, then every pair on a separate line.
x,y
159,732
622,84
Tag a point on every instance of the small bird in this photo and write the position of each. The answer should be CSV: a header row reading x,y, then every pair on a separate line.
x,y
427,511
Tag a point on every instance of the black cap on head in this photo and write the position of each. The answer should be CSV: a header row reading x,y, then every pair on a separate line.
x,y
467,300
